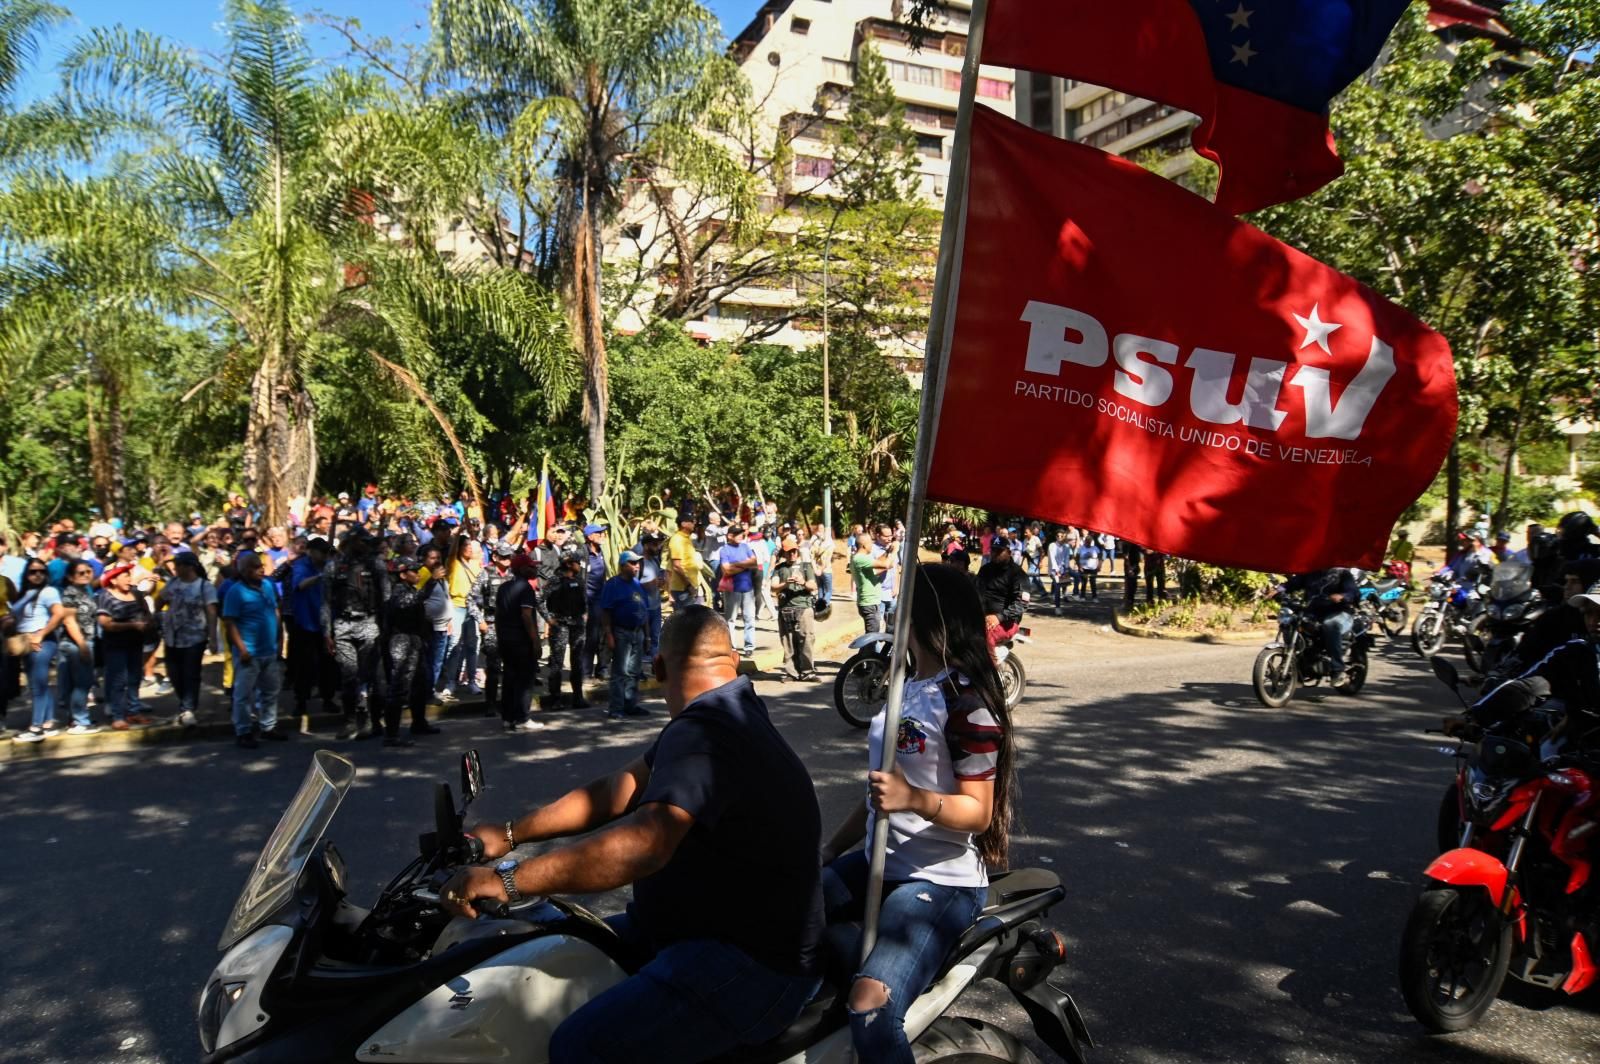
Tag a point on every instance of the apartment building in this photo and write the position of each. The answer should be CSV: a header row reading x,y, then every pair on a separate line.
x,y
800,58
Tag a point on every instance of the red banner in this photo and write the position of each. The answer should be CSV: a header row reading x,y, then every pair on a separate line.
x,y
1129,358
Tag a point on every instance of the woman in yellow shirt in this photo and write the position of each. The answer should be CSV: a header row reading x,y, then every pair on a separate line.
x,y
461,574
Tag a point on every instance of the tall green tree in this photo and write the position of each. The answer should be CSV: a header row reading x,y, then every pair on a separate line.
x,y
294,211
1466,199
593,93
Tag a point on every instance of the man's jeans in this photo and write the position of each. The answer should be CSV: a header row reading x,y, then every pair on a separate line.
x,y
737,602
824,588
917,926
75,679
255,681
1335,628
692,1001
652,637
870,621
625,668
183,669
461,650
684,599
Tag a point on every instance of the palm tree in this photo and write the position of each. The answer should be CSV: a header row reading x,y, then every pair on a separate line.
x,y
22,24
593,93
290,212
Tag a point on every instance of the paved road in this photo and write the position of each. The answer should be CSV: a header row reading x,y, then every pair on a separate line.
x,y
1237,877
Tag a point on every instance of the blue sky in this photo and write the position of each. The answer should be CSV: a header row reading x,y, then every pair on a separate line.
x,y
193,22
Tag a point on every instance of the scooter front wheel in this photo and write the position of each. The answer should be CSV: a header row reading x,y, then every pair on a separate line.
x,y
1394,617
1453,958
1428,634
1013,680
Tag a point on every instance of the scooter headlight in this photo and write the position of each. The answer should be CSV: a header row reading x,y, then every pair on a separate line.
x,y
230,1005
1514,610
218,998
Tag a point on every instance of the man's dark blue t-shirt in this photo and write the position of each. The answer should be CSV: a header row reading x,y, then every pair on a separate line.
x,y
624,597
306,603
747,871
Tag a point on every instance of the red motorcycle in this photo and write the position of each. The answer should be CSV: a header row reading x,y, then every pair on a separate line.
x,y
1517,896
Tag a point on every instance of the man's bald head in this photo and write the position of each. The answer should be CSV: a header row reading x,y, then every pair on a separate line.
x,y
692,635
696,655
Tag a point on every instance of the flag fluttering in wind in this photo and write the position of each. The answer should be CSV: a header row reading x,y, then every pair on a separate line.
x,y
1259,73
1148,365
543,517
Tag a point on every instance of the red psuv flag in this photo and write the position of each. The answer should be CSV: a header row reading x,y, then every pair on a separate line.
x,y
1129,358
1259,73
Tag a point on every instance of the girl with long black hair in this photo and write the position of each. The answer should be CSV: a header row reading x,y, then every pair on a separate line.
x,y
949,804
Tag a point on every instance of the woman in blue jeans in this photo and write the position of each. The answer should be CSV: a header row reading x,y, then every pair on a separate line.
x,y
949,806
75,659
39,619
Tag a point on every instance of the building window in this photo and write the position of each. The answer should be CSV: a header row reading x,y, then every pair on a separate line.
x,y
838,70
812,166
994,88
952,80
802,26
930,145
930,116
914,73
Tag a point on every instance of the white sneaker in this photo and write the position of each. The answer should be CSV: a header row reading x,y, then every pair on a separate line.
x,y
187,718
527,726
444,696
28,737
83,729
163,686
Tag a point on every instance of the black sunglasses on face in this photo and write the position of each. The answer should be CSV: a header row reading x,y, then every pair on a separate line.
x,y
37,572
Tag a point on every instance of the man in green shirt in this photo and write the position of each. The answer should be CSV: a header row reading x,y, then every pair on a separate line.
x,y
866,576
794,581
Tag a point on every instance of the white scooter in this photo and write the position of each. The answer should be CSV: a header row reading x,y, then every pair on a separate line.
x,y
307,976
862,684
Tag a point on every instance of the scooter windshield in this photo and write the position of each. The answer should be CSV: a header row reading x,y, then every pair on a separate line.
x,y
275,872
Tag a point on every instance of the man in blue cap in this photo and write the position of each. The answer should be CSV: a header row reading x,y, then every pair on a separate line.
x,y
596,655
624,613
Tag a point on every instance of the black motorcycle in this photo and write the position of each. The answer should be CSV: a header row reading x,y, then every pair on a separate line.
x,y
1299,656
1496,634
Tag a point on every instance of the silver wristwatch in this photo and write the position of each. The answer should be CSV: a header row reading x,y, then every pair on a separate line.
x,y
508,875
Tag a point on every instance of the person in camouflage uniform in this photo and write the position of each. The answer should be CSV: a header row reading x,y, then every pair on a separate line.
x,y
567,603
481,611
355,587
407,631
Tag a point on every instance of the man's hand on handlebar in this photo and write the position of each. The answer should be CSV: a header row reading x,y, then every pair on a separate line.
x,y
493,837
468,886
1460,728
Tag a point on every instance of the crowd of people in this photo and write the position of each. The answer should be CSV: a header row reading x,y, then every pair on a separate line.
x,y
382,606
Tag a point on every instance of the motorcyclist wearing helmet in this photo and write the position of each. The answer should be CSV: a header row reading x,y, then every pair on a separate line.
x,y
1331,597
1000,584
1572,671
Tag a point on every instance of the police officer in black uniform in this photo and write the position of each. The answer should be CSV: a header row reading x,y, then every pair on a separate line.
x,y
483,596
407,632
567,603
355,587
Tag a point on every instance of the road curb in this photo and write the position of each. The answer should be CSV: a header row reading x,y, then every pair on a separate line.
x,y
1120,625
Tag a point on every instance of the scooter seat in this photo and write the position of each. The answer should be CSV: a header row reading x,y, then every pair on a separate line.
x,y
1385,585
1007,887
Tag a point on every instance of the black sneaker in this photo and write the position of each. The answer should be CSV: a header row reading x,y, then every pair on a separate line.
x,y
248,742
277,735
635,712
580,703
425,729
395,740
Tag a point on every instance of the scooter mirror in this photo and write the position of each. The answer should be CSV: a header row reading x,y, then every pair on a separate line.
x,y
471,777
1446,672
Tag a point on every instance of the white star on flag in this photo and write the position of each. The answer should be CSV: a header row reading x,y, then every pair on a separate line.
x,y
1316,329
1240,17
1243,53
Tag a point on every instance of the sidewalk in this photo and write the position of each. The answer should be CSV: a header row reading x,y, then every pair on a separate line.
x,y
215,724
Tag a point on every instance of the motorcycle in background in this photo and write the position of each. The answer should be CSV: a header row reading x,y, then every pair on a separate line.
x,y
862,685
1298,657
1387,600
1452,606
1510,897
1512,608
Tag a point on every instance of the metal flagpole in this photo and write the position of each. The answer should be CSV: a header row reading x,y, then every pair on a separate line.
x,y
941,325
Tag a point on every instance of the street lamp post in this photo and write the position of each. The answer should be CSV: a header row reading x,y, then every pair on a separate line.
x,y
827,415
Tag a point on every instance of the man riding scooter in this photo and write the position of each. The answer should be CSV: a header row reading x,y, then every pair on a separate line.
x,y
716,826
1331,596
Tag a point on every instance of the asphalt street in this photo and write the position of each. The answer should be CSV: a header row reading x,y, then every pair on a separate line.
x,y
1237,877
